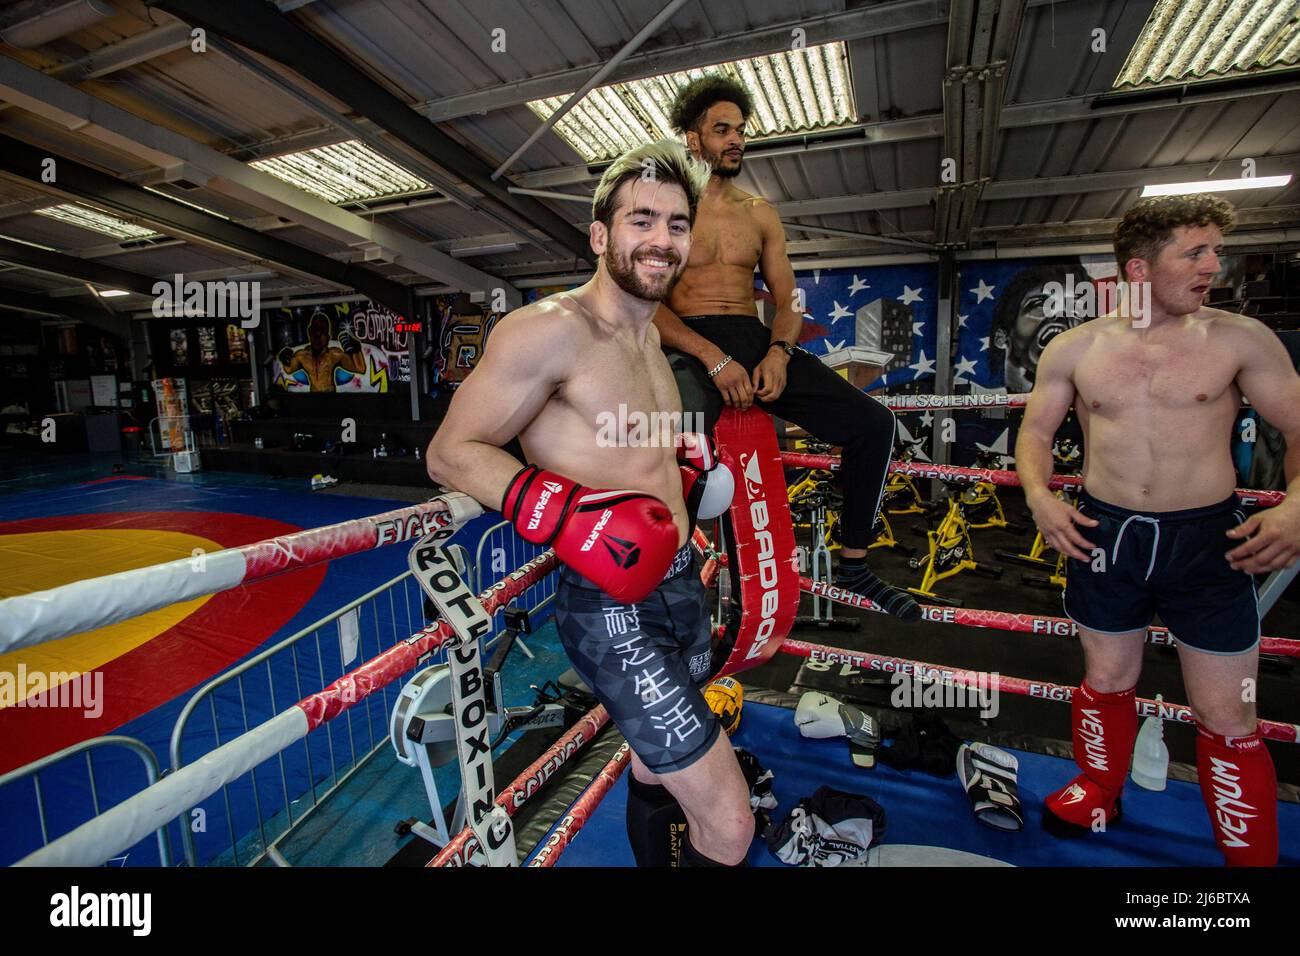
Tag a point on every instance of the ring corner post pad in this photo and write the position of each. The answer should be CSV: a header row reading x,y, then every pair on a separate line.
x,y
765,551
440,580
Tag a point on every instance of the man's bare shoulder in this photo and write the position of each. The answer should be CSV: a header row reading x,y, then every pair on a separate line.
x,y
1068,347
559,321
756,206
1234,332
1229,322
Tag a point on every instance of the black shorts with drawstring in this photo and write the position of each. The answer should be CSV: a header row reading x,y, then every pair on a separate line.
x,y
1170,563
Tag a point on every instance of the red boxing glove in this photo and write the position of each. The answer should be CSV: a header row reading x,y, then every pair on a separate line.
x,y
621,541
707,482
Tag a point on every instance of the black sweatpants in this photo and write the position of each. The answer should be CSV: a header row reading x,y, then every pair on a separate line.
x,y
815,398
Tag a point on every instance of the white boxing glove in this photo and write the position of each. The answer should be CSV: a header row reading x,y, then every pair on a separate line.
x,y
707,482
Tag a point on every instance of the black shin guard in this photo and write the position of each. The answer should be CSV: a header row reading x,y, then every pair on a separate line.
x,y
656,825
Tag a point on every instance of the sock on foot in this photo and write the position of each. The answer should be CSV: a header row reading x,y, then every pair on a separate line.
x,y
854,575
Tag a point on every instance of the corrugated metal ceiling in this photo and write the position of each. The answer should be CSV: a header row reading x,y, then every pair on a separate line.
x,y
1184,42
428,51
796,91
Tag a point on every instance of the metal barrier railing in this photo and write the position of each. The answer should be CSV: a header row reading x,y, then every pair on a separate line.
x,y
508,551
302,664
260,687
33,771
299,665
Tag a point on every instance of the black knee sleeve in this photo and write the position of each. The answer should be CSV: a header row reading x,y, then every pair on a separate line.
x,y
693,857
656,825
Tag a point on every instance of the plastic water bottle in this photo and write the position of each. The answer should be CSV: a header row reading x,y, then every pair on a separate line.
x,y
1150,755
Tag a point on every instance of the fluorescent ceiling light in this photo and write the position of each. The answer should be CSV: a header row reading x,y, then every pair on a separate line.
x,y
344,172
1184,42
794,92
96,221
1216,185
111,293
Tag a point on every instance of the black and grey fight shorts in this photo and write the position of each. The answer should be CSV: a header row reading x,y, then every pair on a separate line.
x,y
1170,563
645,662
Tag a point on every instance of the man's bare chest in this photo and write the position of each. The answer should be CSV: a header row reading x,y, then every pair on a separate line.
x,y
619,386
726,235
1116,377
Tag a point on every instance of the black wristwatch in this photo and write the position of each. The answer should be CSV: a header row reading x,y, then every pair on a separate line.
x,y
786,346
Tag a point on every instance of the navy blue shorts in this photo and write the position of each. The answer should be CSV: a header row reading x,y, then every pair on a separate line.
x,y
645,662
1170,563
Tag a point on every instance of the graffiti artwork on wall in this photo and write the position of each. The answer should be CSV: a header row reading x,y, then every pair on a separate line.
x,y
464,336
343,347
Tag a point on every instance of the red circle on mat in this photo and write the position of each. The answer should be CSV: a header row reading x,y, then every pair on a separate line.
x,y
224,629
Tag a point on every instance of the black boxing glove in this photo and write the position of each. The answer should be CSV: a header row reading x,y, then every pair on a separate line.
x,y
348,342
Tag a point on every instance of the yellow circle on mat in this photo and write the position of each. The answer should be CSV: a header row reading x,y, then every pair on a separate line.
x,y
46,559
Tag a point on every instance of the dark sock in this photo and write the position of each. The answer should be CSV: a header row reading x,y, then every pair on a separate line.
x,y
656,825
693,857
854,575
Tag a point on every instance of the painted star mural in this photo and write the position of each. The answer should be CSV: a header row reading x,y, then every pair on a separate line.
x,y
834,298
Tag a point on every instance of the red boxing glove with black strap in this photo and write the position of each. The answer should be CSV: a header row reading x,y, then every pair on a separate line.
x,y
621,541
707,482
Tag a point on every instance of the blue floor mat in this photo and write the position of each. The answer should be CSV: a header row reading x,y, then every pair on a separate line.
x,y
1170,828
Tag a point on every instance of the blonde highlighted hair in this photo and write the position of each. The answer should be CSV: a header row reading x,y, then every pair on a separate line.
x,y
665,161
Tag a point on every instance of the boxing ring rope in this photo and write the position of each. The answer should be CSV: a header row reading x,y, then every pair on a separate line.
x,y
1041,624
983,680
461,847
582,809
116,829
910,403
30,619
1006,479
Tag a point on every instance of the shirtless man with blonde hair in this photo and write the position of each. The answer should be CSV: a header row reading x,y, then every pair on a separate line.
x,y
630,608
1159,528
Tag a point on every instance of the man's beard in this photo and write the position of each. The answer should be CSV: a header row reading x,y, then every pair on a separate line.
x,y
717,169
622,269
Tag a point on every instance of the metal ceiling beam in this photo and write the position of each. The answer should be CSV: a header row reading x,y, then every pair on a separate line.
x,y
100,120
25,162
139,48
56,263
260,27
877,20
842,247
612,64
1066,110
850,234
864,23
856,25
1124,179
39,305
367,133
125,53
899,199
864,134
1025,188
1101,106
1260,217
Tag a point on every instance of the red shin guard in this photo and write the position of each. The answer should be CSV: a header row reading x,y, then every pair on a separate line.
x,y
1104,729
1239,786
